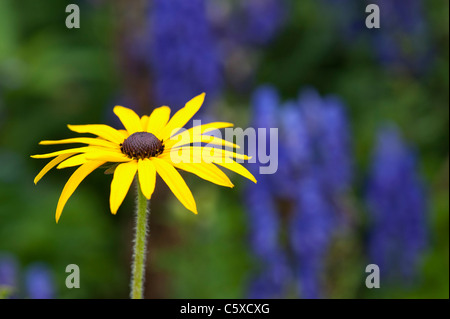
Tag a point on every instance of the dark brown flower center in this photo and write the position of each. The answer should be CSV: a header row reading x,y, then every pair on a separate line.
x,y
142,145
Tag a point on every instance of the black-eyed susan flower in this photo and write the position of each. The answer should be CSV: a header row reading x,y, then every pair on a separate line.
x,y
149,145
146,147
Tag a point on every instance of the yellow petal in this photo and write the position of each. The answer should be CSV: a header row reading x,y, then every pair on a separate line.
x,y
84,140
209,139
197,130
77,177
205,128
182,155
206,153
124,134
144,123
207,171
73,161
203,155
123,177
50,165
235,167
147,177
129,119
157,120
183,116
104,131
68,151
176,183
107,156
219,152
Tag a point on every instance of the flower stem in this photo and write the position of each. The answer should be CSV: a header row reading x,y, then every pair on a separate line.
x,y
139,250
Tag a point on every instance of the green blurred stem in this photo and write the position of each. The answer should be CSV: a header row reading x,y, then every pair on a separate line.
x,y
140,249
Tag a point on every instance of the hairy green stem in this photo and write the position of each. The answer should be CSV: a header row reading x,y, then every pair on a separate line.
x,y
140,249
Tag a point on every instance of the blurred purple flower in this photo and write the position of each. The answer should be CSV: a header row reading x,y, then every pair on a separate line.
x,y
264,230
402,43
314,169
264,220
335,146
259,20
38,279
330,138
187,45
271,282
8,271
266,114
39,282
311,230
264,223
347,17
294,151
265,105
402,40
294,136
184,55
397,207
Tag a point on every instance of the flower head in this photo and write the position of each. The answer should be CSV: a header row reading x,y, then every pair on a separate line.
x,y
149,145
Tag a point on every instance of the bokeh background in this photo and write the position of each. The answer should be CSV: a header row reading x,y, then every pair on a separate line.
x,y
363,147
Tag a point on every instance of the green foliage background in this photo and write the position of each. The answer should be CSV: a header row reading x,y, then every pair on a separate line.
x,y
51,76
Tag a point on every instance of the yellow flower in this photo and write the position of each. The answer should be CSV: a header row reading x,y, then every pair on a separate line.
x,y
145,148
